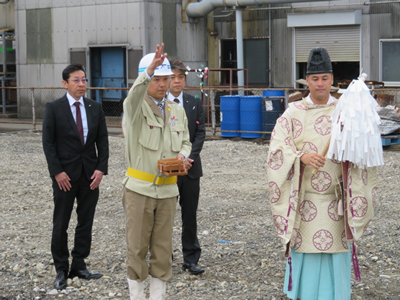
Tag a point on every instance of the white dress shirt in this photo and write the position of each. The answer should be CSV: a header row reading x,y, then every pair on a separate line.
x,y
71,101
180,98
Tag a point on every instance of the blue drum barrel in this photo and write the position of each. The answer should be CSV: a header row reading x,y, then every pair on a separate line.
x,y
250,116
230,115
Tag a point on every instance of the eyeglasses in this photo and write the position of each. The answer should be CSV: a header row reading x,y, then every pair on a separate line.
x,y
84,80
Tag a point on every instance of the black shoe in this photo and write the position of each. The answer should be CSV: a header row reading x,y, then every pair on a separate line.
x,y
61,281
84,274
193,269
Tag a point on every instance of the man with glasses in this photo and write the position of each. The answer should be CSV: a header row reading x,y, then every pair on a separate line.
x,y
189,185
155,129
75,143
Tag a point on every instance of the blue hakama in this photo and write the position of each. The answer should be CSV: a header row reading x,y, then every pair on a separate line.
x,y
319,276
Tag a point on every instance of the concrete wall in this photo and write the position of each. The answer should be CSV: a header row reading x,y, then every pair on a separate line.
x,y
7,15
379,21
49,29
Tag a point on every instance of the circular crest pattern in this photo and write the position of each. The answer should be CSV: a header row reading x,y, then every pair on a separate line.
x,y
349,179
321,181
276,159
299,105
323,240
359,206
345,243
280,224
297,239
309,147
308,211
323,125
374,194
297,128
290,173
284,124
333,211
293,200
364,176
274,191
289,142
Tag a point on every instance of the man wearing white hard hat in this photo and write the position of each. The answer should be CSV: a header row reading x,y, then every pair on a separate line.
x,y
156,128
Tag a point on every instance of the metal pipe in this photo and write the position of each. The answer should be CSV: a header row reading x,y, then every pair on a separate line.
x,y
383,2
213,120
4,62
203,8
269,47
239,48
33,108
3,94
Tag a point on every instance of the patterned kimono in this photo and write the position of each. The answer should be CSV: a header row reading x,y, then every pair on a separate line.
x,y
306,207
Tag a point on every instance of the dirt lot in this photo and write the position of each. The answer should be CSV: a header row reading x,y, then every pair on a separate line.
x,y
241,254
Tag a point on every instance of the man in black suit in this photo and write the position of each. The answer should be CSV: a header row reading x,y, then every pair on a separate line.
x,y
75,143
189,185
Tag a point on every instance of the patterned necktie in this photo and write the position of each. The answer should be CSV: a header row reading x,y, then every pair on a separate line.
x,y
79,121
176,100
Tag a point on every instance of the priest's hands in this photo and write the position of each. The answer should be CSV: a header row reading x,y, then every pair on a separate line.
x,y
313,159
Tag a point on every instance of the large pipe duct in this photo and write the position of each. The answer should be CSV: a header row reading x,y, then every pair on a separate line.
x,y
203,8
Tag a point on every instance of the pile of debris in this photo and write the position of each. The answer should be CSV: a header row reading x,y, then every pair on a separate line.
x,y
390,120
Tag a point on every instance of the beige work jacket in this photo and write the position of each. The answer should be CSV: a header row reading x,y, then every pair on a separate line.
x,y
150,137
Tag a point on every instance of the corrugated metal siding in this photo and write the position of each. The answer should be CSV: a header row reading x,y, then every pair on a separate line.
x,y
255,24
281,54
39,36
342,42
169,28
152,23
60,31
7,15
192,40
380,29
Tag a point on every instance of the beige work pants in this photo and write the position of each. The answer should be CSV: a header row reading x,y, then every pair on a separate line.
x,y
149,224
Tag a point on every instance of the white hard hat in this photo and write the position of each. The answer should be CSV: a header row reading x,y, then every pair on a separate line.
x,y
163,70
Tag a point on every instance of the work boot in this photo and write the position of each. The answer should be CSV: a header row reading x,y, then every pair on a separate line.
x,y
158,289
136,289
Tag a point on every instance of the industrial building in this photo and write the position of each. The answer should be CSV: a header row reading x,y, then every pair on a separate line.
x,y
269,38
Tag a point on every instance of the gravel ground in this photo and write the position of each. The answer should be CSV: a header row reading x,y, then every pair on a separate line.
x,y
241,254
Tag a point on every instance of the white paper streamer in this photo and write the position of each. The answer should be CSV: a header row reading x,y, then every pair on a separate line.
x,y
355,135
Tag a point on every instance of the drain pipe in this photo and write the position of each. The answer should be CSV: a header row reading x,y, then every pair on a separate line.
x,y
239,48
203,8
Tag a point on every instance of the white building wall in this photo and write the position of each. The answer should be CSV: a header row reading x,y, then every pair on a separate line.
x,y
7,15
79,24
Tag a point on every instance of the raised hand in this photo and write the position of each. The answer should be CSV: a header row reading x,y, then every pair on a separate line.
x,y
158,59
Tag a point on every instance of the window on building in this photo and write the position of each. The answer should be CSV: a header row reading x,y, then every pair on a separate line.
x,y
389,66
256,60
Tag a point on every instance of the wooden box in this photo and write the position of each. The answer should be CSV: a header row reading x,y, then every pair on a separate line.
x,y
171,167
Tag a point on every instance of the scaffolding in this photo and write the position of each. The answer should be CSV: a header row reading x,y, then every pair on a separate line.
x,y
7,70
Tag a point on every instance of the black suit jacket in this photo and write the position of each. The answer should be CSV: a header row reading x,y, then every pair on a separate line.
x,y
194,112
61,143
